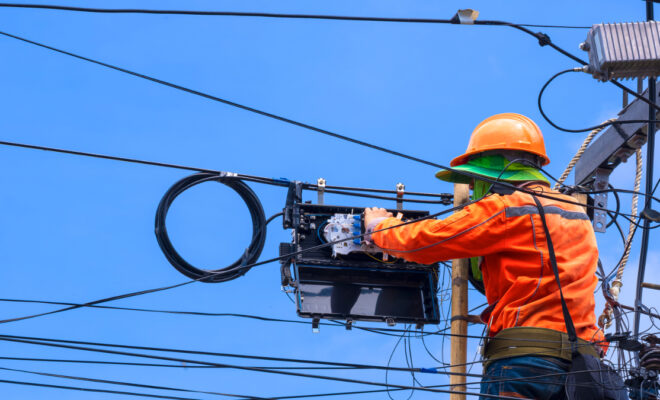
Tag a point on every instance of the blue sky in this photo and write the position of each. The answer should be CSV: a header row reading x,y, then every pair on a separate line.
x,y
78,229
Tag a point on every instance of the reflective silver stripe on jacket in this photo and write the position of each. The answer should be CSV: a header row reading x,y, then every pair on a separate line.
x,y
527,210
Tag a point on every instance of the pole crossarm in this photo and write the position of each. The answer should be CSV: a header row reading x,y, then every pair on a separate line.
x,y
615,144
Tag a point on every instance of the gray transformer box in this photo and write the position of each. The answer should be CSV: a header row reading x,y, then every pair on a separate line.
x,y
624,50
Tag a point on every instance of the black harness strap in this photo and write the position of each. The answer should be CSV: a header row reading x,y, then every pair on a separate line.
x,y
570,328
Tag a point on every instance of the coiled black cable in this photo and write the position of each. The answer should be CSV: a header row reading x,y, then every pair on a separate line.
x,y
252,252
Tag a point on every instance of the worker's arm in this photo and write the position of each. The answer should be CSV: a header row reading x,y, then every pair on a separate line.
x,y
478,229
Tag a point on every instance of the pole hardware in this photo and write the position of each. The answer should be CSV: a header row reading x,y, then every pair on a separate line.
x,y
651,285
294,196
600,199
320,184
465,16
400,190
615,143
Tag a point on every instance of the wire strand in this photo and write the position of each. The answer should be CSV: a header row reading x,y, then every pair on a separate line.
x,y
279,182
83,389
289,373
256,14
120,383
288,120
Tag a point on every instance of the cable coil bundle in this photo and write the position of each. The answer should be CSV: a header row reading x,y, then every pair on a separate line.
x,y
252,252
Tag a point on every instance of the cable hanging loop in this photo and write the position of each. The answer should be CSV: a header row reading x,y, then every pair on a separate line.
x,y
251,253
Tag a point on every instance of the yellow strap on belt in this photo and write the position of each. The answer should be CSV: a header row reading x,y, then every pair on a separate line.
x,y
528,341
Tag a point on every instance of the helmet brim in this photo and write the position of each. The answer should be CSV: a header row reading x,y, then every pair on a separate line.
x,y
528,174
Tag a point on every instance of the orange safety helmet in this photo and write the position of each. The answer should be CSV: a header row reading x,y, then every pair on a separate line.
x,y
508,131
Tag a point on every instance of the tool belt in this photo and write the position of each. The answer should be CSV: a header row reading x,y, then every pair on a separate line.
x,y
531,341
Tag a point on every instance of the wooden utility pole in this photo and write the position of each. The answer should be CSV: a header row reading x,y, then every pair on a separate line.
x,y
459,308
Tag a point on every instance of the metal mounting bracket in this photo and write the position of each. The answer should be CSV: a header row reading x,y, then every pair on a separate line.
x,y
294,195
320,184
600,199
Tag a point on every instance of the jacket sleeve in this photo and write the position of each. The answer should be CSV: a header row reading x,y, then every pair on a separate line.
x,y
477,230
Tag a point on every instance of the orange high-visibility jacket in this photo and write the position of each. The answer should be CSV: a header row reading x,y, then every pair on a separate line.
x,y
507,231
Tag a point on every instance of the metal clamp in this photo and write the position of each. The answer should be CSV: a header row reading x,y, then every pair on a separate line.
x,y
400,190
320,184
294,196
465,16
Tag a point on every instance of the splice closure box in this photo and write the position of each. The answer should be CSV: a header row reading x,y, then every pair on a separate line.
x,y
351,280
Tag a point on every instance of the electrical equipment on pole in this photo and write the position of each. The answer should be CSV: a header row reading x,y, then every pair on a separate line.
x,y
335,274
623,50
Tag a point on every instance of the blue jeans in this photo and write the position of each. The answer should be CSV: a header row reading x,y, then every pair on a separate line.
x,y
531,383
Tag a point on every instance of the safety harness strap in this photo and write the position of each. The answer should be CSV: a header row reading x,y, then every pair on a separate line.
x,y
570,328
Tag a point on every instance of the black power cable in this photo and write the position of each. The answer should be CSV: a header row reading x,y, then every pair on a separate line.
x,y
121,383
591,128
544,40
445,198
253,14
270,397
39,340
240,367
252,252
336,324
53,343
301,124
139,364
217,354
83,389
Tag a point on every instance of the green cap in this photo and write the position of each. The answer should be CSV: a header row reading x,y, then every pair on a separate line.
x,y
492,166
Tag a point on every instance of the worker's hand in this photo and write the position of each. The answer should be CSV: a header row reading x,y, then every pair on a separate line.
x,y
372,213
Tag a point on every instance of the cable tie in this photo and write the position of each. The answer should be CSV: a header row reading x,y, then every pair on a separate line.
x,y
281,180
544,39
429,370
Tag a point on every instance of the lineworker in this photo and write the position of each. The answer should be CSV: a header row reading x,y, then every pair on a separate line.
x,y
524,316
